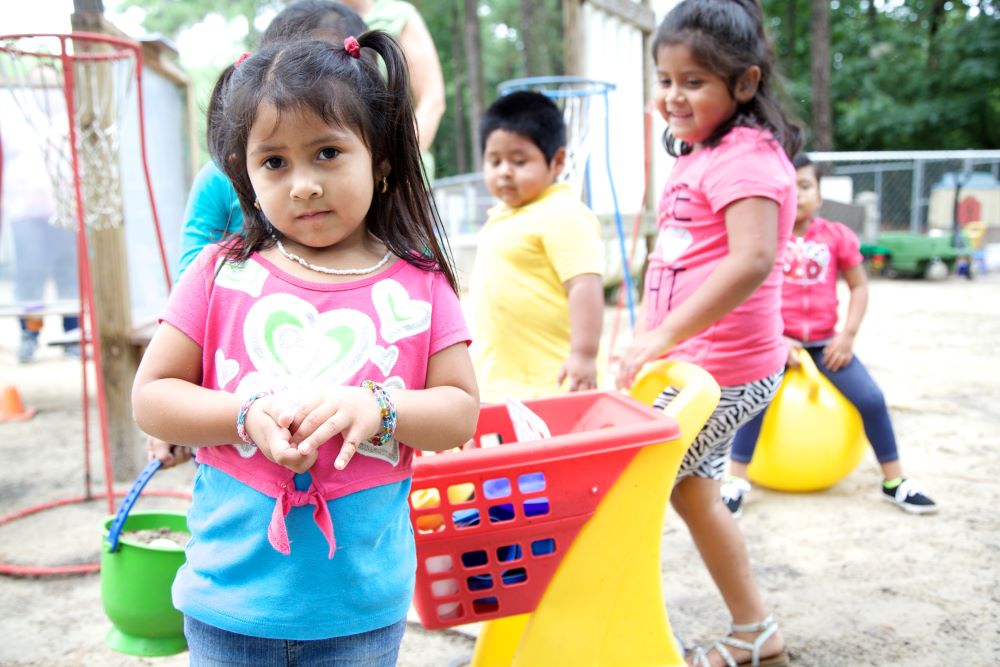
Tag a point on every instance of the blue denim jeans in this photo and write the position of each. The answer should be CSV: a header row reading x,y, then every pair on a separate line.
x,y
210,646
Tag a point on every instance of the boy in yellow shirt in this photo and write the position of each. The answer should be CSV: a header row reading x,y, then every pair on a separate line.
x,y
536,290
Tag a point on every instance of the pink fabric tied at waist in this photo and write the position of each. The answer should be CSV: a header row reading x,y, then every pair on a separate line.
x,y
277,534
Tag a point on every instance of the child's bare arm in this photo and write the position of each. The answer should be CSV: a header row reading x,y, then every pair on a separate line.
x,y
170,404
752,228
586,318
840,350
168,400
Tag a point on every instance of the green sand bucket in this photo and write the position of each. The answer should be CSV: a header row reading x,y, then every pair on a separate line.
x,y
136,579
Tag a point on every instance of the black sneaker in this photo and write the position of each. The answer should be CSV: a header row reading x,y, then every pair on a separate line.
x,y
909,496
734,490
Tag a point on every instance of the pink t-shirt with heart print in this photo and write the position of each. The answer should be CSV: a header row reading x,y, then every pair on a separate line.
x,y
746,344
261,329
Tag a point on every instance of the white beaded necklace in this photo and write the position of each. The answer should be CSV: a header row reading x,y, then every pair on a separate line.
x,y
333,272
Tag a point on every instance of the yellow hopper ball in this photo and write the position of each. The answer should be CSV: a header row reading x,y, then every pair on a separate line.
x,y
811,438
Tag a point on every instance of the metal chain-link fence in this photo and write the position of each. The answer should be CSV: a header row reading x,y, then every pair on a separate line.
x,y
916,190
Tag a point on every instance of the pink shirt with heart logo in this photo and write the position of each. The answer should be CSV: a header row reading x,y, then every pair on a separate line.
x,y
745,345
261,329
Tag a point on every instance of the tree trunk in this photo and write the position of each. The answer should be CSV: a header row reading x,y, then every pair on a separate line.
x,y
574,41
474,67
791,30
458,104
822,116
937,11
534,45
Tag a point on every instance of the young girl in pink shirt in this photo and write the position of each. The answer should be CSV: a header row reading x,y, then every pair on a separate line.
x,y
712,289
307,359
818,253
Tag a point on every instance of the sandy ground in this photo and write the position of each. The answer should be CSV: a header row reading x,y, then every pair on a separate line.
x,y
853,580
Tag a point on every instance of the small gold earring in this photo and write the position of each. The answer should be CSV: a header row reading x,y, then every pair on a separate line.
x,y
256,204
384,185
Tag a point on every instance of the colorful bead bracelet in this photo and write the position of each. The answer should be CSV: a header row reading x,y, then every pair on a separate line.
x,y
388,410
241,417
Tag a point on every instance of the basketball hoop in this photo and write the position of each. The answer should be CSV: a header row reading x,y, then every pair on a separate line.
x,y
72,91
573,95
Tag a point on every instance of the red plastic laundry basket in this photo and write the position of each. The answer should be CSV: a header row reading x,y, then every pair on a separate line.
x,y
493,523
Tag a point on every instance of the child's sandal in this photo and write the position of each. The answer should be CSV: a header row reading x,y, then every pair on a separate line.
x,y
766,628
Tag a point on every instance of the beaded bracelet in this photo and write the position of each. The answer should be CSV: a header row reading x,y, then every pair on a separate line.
x,y
388,410
241,417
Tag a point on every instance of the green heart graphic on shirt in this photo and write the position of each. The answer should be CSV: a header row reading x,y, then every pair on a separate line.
x,y
399,315
287,338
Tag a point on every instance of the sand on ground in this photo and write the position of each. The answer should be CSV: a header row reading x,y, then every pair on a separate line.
x,y
853,580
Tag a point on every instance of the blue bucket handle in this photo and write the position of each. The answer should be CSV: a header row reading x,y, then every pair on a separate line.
x,y
129,501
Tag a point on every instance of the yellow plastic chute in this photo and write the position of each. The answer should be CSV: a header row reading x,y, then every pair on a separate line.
x,y
604,605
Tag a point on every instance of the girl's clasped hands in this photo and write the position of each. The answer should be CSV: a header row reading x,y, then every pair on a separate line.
x,y
291,431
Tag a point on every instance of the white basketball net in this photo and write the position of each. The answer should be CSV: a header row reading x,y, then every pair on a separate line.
x,y
575,97
32,78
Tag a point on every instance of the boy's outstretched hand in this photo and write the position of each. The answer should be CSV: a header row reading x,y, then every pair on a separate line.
x,y
351,412
580,371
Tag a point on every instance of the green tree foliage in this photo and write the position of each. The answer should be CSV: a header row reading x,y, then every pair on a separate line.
x,y
504,58
923,74
906,74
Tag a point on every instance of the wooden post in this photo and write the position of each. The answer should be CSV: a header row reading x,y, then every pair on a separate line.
x,y
574,36
108,261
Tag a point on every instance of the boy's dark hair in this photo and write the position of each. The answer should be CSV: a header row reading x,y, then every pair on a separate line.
x,y
530,114
727,37
317,77
314,19
802,160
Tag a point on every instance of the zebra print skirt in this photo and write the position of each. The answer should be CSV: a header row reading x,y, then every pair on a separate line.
x,y
708,454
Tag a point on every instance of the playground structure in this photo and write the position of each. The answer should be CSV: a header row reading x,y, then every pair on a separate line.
x,y
528,551
75,92
811,438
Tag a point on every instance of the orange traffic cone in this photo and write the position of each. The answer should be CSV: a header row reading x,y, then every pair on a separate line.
x,y
11,407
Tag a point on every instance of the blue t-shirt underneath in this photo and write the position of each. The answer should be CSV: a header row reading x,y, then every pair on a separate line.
x,y
235,580
212,211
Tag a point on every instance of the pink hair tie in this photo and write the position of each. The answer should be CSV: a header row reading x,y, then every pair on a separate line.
x,y
239,61
352,46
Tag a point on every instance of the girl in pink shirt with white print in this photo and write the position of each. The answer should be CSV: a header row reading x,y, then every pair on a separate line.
x,y
819,252
712,289
307,359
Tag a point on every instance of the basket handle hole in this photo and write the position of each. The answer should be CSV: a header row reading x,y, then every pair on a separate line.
x,y
508,553
543,547
502,513
439,564
429,523
480,582
465,518
475,558
461,493
449,610
485,605
444,588
532,482
514,576
536,506
425,499
496,488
